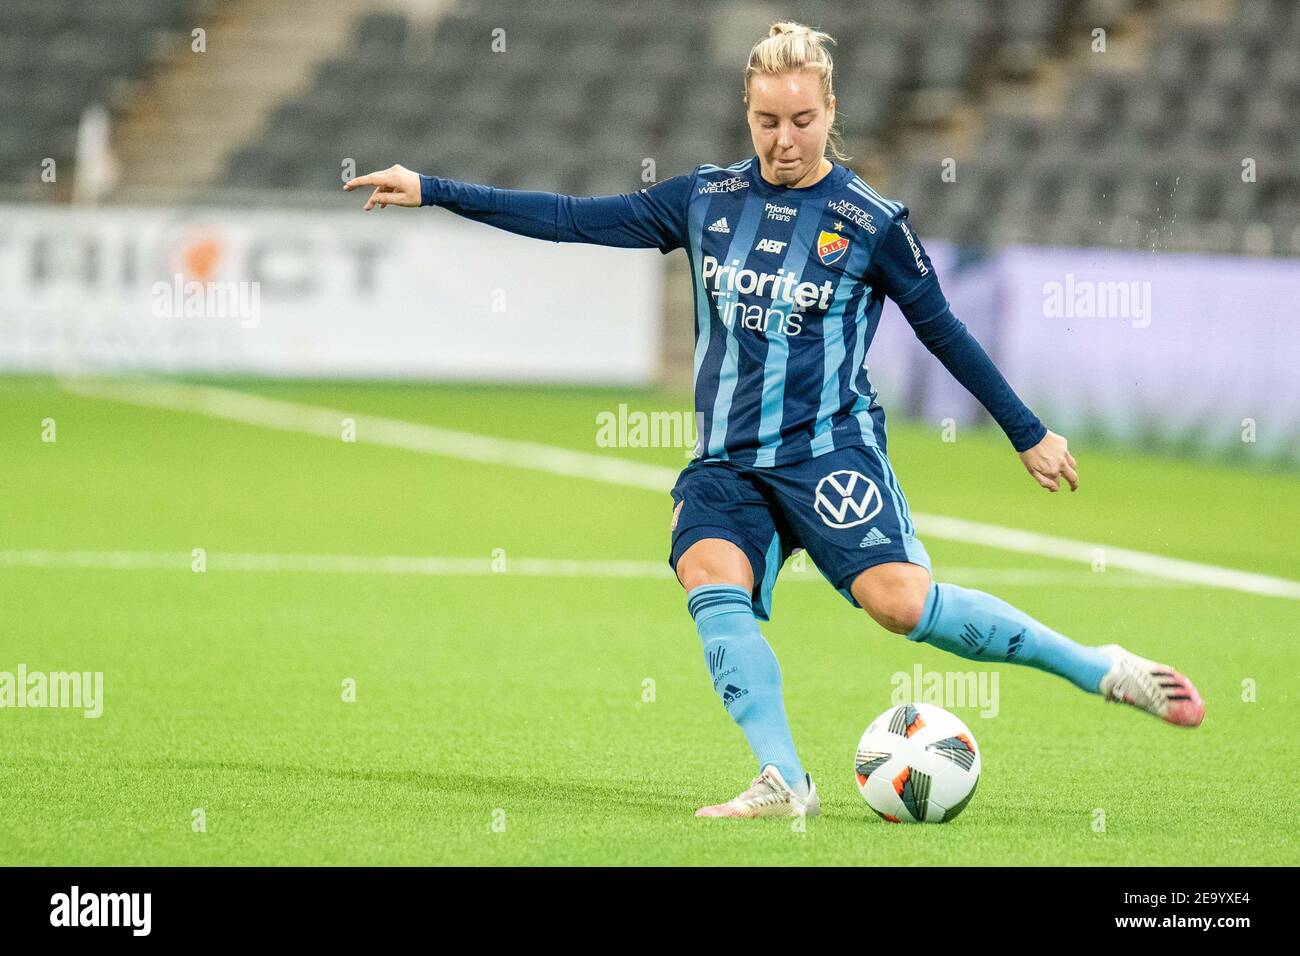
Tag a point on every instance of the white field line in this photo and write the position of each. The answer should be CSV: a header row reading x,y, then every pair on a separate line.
x,y
219,562
1141,562
376,430
468,446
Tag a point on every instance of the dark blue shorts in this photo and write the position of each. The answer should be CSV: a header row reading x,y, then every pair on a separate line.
x,y
844,508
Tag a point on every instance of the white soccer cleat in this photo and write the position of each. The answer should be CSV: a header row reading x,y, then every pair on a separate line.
x,y
1156,688
768,796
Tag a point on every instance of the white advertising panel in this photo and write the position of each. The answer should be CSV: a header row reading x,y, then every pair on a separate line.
x,y
392,292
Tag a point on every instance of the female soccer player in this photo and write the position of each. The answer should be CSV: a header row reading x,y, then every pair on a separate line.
x,y
792,256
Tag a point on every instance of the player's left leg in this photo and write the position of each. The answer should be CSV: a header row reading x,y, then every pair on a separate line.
x,y
856,527
977,626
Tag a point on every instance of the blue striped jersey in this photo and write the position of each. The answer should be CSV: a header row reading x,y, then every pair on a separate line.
x,y
787,299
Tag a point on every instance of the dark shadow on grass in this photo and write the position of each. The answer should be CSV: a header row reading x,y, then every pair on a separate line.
x,y
645,794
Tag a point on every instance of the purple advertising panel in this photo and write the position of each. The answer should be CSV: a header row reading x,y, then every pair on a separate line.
x,y
1195,350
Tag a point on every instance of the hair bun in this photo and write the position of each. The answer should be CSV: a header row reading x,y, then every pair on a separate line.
x,y
788,26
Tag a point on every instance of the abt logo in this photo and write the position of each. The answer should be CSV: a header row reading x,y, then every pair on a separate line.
x,y
770,245
846,498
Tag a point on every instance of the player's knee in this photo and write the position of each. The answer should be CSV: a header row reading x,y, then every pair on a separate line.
x,y
900,612
894,597
696,575
714,561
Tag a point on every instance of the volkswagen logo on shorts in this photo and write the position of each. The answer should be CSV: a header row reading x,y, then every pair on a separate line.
x,y
846,498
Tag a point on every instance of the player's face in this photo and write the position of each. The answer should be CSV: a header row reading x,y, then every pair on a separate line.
x,y
789,124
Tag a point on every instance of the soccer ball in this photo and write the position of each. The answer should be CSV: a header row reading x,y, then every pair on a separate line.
x,y
917,763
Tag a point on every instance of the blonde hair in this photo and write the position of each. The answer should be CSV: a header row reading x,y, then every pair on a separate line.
x,y
791,46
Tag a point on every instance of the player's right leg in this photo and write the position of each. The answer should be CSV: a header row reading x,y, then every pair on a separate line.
x,y
718,521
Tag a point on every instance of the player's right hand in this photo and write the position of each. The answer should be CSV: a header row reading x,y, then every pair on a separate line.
x,y
394,186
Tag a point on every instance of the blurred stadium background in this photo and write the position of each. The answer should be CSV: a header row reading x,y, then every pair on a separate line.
x,y
1150,132
1110,192
1064,145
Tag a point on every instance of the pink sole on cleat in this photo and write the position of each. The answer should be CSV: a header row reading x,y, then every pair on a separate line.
x,y
1189,712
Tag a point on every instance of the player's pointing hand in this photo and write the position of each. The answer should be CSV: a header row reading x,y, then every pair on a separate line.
x,y
394,186
1049,461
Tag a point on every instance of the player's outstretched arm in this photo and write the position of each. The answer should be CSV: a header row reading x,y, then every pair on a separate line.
x,y
653,218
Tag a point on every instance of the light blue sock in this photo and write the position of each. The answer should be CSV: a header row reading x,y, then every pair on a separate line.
x,y
980,627
746,675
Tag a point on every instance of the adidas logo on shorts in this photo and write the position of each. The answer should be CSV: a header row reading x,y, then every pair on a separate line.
x,y
873,538
720,226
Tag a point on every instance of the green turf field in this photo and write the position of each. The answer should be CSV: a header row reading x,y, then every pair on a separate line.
x,y
499,717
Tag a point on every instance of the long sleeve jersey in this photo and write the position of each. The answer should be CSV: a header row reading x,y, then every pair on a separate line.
x,y
789,288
